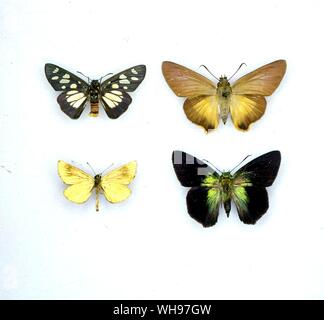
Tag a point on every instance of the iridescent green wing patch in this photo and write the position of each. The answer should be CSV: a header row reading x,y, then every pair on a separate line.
x,y
239,193
203,201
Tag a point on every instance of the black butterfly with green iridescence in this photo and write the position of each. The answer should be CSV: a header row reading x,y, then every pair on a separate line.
x,y
111,92
209,190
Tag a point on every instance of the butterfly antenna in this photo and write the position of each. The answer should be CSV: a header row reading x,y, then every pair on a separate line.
x,y
237,70
105,76
89,80
91,168
204,160
240,162
106,169
209,71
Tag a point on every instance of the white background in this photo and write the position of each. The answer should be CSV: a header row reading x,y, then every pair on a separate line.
x,y
148,246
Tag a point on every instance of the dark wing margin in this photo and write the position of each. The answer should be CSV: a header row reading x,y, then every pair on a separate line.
x,y
114,90
200,209
190,171
63,80
262,171
72,103
115,102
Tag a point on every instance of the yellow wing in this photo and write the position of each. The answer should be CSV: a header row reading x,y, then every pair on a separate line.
x,y
247,100
185,82
81,182
202,110
246,109
114,184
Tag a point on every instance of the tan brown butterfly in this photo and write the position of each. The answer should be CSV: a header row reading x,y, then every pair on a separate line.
x,y
206,100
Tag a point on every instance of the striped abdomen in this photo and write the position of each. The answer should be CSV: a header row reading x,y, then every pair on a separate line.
x,y
94,109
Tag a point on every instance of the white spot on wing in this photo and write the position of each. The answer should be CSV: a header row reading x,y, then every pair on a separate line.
x,y
55,78
125,87
64,81
113,97
73,86
78,103
109,102
124,81
134,78
66,76
122,76
119,93
74,97
63,87
134,71
56,70
115,86
72,92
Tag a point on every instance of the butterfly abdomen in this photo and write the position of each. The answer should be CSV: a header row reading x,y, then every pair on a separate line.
x,y
94,98
94,109
227,207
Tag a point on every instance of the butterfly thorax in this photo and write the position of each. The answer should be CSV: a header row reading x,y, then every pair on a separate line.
x,y
224,92
97,180
94,93
220,189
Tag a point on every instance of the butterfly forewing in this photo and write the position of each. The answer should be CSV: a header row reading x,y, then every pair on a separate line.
x,y
190,171
262,81
114,90
262,171
63,80
185,82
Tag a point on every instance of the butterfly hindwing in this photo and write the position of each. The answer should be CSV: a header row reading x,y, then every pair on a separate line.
x,y
114,90
203,111
203,202
249,194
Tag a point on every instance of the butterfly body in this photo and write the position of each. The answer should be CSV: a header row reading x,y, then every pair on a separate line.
x,y
210,190
94,94
112,92
224,92
207,101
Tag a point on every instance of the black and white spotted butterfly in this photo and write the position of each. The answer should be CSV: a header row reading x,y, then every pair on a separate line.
x,y
111,92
